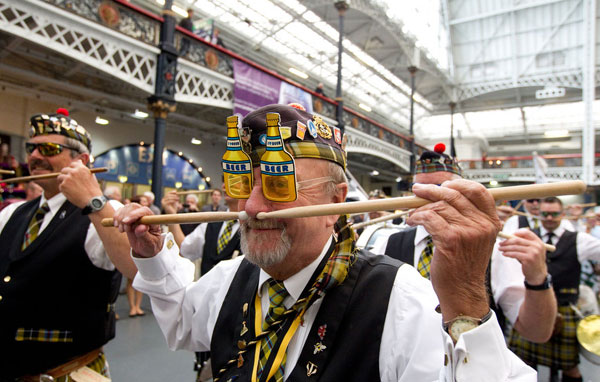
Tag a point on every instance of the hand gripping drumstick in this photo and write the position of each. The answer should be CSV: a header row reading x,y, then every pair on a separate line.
x,y
504,193
47,176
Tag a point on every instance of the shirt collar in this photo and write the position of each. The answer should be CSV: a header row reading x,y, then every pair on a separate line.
x,y
55,202
296,283
558,232
421,234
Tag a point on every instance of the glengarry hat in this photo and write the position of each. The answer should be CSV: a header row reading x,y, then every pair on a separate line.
x,y
59,123
437,160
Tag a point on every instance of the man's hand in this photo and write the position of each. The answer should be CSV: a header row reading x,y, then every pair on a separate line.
x,y
78,184
463,223
169,202
504,212
529,250
145,240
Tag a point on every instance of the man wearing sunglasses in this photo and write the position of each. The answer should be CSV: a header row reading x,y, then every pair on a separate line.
x,y
526,310
56,262
304,302
564,266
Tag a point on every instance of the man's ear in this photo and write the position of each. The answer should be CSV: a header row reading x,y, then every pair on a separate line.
x,y
85,159
338,197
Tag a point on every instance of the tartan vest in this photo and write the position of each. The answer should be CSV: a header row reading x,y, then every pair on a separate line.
x,y
353,312
53,286
210,257
565,268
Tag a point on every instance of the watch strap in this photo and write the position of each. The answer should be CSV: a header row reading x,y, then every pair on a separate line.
x,y
543,286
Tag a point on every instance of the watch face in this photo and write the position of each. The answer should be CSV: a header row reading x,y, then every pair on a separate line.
x,y
96,203
460,326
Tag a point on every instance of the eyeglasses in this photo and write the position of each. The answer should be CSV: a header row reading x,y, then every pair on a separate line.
x,y
275,188
533,200
47,149
554,214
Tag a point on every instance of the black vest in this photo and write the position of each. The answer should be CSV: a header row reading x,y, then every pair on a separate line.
x,y
401,246
565,268
524,222
53,286
352,314
210,258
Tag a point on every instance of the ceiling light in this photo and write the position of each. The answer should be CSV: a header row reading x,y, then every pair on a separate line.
x,y
180,153
180,11
556,133
199,169
139,114
102,121
298,73
493,183
207,178
364,107
178,184
399,179
196,141
374,173
122,178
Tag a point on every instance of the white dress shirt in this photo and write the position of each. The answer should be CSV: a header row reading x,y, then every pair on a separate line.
x,y
512,224
413,342
93,244
192,246
506,277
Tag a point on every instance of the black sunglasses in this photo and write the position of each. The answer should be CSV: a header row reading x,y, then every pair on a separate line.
x,y
533,200
554,214
47,149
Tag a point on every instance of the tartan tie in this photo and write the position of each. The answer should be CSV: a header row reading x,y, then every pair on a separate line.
x,y
536,223
34,225
425,259
277,293
225,236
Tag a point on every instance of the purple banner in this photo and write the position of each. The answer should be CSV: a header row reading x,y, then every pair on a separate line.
x,y
253,89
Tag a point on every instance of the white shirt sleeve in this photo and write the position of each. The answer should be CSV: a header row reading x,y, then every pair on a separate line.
x,y
177,301
192,247
507,281
511,225
7,212
588,247
411,351
95,248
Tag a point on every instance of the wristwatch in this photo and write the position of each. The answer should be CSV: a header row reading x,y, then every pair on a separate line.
x,y
95,204
460,324
543,286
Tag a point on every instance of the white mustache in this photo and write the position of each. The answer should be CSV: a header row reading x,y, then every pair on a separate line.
x,y
253,223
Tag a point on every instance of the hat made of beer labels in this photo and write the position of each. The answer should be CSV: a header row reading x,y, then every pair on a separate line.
x,y
59,123
305,135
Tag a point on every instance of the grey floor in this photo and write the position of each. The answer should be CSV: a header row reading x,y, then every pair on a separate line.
x,y
139,352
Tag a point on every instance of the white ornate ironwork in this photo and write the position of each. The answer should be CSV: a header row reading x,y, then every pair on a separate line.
x,y
359,142
81,39
553,174
196,84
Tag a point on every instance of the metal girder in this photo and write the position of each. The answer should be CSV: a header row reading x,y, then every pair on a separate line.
x,y
589,89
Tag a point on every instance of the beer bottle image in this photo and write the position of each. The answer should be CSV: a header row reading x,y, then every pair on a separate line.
x,y
277,167
237,166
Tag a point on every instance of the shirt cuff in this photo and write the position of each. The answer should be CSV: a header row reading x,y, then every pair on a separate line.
x,y
157,267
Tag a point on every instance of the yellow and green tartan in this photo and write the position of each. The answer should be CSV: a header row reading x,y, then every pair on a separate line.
x,y
43,335
277,293
98,365
424,264
34,225
560,352
225,236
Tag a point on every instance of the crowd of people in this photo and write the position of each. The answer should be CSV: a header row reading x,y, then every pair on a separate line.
x,y
290,298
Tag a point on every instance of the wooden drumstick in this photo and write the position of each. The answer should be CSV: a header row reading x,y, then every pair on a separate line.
x,y
503,193
192,217
549,247
193,192
8,172
380,219
47,176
